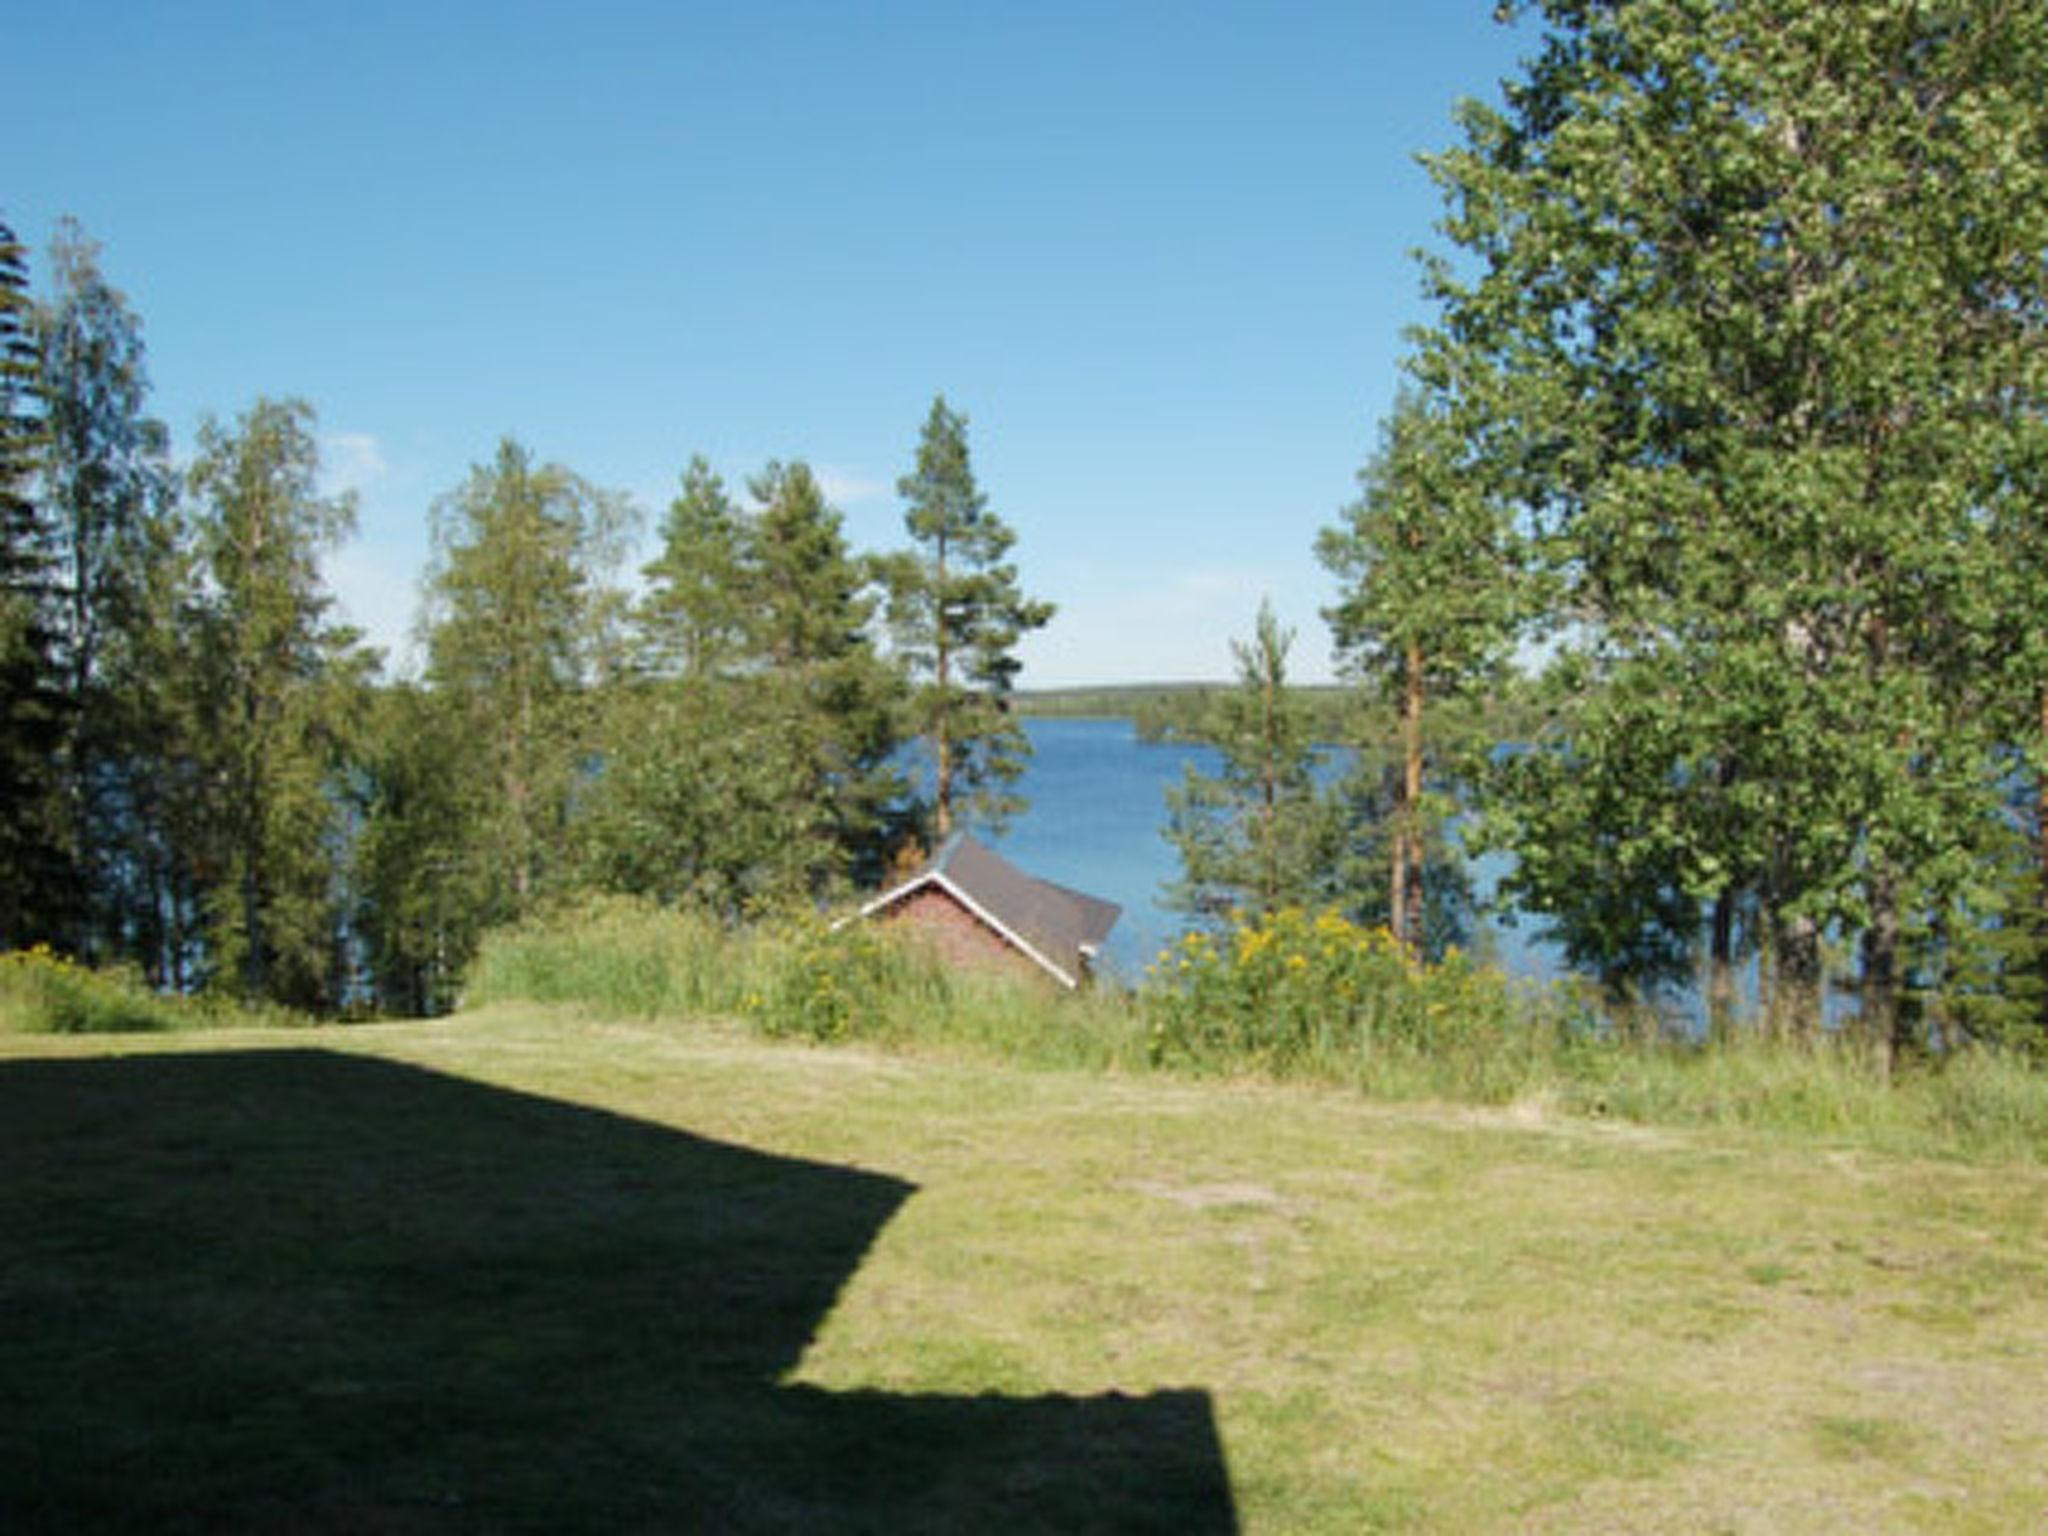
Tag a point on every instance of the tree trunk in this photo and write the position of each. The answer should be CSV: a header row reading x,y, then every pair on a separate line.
x,y
1884,1021
1721,968
2041,856
1796,995
1405,899
942,724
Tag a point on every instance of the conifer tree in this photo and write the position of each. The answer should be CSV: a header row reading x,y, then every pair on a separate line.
x,y
958,614
35,885
1259,834
822,691
693,620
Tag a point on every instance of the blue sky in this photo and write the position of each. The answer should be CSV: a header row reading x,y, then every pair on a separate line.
x,y
1158,253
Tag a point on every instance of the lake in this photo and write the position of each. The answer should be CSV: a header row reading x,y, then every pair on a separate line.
x,y
1097,822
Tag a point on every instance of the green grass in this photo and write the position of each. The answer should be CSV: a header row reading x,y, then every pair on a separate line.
x,y
533,1270
1319,1001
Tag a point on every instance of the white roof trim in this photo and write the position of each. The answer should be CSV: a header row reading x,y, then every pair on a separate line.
x,y
938,877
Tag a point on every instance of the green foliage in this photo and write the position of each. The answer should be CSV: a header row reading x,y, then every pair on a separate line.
x,y
622,956
833,704
705,797
1747,319
44,993
1314,995
425,886
518,628
1429,601
693,622
1259,834
796,976
122,572
37,888
824,985
1311,997
958,614
279,697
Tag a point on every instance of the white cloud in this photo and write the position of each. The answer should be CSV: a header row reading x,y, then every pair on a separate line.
x,y
848,488
350,461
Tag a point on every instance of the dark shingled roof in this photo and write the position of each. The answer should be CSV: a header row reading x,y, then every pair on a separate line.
x,y
1057,927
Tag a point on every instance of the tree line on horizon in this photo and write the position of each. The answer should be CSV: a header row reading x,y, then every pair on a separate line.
x,y
204,776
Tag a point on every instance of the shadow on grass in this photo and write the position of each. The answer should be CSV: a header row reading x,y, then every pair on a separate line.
x,y
306,1291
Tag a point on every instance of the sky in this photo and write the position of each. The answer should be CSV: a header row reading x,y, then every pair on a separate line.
x,y
1161,256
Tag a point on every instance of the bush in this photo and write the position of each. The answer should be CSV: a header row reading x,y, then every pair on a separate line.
x,y
824,984
619,955
46,994
1296,994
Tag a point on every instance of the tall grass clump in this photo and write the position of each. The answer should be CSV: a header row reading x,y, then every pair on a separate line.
x,y
45,993
798,977
617,955
1829,1087
1314,995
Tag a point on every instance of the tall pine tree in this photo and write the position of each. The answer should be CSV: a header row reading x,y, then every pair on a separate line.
x,y
958,614
36,887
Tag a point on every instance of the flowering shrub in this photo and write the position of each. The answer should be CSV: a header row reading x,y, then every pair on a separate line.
x,y
834,984
42,992
1316,994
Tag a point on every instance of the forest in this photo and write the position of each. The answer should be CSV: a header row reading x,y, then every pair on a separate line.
x,y
1698,566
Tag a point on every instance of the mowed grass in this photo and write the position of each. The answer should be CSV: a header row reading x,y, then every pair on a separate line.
x,y
527,1270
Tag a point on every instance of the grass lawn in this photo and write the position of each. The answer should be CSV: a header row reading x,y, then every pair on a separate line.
x,y
526,1271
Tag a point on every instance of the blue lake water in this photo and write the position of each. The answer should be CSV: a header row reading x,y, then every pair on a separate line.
x,y
1097,821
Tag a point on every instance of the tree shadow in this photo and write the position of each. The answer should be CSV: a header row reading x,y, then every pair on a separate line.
x,y
310,1291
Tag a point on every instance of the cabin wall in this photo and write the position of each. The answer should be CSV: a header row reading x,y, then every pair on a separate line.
x,y
959,936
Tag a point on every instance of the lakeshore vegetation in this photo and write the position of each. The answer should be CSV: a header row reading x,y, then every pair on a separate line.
x,y
1697,567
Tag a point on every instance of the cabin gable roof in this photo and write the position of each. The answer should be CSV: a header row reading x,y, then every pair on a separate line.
x,y
1057,928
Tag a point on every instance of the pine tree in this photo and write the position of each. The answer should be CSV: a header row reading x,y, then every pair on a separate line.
x,y
36,887
1259,834
820,688
958,615
693,620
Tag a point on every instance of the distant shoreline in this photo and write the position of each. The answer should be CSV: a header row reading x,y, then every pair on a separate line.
x,y
1122,701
